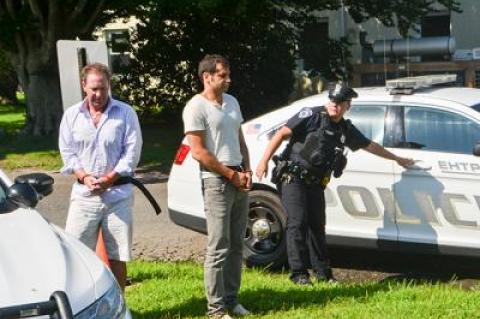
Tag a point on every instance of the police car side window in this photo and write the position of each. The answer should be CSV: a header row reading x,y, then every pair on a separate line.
x,y
370,120
437,130
272,132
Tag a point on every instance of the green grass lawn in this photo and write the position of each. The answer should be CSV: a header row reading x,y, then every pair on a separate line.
x,y
160,144
175,290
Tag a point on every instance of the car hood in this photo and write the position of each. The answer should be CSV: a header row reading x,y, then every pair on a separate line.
x,y
38,258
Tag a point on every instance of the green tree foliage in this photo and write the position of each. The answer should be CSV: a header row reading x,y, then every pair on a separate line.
x,y
29,31
174,36
261,39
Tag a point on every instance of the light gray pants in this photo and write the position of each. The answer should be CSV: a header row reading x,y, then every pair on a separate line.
x,y
226,210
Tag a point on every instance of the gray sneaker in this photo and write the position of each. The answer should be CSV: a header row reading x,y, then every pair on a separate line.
x,y
240,310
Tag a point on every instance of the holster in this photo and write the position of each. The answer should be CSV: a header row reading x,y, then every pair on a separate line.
x,y
281,168
339,163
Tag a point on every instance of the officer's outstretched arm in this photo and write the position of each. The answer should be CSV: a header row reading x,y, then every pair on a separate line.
x,y
379,150
281,135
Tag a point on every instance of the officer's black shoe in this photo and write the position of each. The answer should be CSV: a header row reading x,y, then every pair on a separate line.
x,y
301,280
326,276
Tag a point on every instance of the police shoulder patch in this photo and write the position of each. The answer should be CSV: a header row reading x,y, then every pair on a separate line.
x,y
305,112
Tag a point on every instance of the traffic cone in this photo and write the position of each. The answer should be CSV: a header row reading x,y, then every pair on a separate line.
x,y
101,250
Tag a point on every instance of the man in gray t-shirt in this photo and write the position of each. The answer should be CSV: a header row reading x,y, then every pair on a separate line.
x,y
212,122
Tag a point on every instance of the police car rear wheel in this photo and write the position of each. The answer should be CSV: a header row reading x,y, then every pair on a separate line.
x,y
264,244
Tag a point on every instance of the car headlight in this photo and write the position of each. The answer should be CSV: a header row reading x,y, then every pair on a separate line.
x,y
110,306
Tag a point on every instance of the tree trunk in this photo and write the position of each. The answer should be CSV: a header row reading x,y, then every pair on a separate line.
x,y
44,103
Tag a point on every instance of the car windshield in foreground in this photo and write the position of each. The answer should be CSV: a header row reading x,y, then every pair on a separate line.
x,y
5,206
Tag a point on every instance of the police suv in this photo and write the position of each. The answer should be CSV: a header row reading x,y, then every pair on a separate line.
x,y
434,206
44,272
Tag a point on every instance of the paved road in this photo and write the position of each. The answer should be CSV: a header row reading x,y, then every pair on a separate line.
x,y
154,237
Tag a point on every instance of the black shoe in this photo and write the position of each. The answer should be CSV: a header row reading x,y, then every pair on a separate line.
x,y
325,276
301,280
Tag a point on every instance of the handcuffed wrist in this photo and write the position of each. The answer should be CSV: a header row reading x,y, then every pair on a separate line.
x,y
230,175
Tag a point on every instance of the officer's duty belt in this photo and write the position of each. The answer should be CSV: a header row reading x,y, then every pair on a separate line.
x,y
307,176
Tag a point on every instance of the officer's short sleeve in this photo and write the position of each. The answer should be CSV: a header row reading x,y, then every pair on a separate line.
x,y
355,139
193,117
298,123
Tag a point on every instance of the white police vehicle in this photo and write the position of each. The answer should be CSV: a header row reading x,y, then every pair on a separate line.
x,y
431,207
44,272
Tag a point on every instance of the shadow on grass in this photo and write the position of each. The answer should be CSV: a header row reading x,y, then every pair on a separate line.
x,y
408,266
12,109
18,144
460,281
160,142
148,274
262,301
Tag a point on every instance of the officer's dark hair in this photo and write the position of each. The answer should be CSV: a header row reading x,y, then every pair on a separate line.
x,y
341,92
209,64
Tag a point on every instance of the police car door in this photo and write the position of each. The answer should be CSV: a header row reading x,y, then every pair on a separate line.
x,y
437,201
355,206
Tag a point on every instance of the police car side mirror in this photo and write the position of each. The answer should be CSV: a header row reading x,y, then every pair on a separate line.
x,y
476,149
22,195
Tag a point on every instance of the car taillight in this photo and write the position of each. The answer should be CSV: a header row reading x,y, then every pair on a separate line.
x,y
181,154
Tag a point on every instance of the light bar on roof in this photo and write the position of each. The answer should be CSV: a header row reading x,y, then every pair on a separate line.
x,y
408,84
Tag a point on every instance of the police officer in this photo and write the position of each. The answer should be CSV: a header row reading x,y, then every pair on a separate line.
x,y
315,150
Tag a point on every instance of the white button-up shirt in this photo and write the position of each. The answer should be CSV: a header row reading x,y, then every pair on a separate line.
x,y
114,145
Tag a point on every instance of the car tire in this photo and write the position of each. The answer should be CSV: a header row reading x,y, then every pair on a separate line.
x,y
265,242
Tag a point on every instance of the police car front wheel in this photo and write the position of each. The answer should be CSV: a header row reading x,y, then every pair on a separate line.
x,y
265,236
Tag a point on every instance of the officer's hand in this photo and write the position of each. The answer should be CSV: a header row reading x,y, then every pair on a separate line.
x,y
262,169
404,162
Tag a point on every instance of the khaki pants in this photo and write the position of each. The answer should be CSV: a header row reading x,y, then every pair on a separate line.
x,y
226,210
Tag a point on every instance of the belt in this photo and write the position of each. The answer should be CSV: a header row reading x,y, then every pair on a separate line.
x,y
308,176
236,168
122,180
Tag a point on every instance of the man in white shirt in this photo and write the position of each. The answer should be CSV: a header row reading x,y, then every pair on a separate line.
x,y
212,122
99,141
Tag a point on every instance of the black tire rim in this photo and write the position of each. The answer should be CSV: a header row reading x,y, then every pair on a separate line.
x,y
264,229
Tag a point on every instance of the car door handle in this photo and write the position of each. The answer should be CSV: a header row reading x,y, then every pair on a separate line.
x,y
420,166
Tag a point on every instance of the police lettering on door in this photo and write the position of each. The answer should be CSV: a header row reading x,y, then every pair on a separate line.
x,y
459,167
369,208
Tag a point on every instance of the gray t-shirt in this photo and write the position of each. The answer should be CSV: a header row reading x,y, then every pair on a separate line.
x,y
221,124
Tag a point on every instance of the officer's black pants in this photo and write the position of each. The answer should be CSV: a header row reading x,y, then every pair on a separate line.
x,y
306,244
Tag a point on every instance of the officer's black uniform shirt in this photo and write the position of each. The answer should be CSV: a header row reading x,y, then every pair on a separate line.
x,y
310,119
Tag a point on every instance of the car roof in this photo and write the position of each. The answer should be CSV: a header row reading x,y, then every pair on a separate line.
x,y
460,95
466,96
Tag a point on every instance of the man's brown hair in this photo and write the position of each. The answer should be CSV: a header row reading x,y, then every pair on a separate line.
x,y
96,68
209,64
